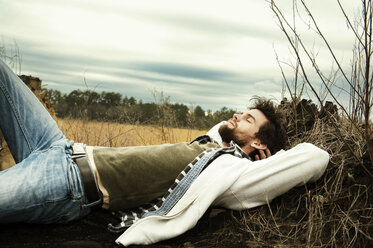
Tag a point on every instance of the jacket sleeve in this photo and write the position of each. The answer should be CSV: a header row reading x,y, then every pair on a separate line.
x,y
266,179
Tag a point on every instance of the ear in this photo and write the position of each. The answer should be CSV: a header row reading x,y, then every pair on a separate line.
x,y
257,144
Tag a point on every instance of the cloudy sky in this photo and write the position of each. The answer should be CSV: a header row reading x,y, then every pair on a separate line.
x,y
208,53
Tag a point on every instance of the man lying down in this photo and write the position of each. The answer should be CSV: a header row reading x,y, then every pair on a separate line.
x,y
238,164
224,175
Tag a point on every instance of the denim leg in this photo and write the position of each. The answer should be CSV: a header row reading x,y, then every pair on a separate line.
x,y
45,187
26,124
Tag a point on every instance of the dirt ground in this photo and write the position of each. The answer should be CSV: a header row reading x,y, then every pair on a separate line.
x,y
215,229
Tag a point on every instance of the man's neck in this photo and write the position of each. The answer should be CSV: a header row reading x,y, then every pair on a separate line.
x,y
225,144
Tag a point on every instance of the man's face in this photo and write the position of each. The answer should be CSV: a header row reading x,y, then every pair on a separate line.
x,y
242,129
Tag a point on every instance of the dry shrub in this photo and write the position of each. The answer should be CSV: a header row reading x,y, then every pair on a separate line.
x,y
335,211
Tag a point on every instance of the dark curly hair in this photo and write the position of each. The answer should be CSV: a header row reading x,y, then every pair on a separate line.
x,y
273,132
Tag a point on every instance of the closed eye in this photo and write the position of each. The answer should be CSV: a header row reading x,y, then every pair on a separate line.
x,y
251,118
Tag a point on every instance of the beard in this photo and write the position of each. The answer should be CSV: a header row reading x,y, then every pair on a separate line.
x,y
228,134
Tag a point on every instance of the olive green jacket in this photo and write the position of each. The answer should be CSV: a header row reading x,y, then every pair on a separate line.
x,y
137,175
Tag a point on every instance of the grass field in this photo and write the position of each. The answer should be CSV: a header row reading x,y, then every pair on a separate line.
x,y
115,134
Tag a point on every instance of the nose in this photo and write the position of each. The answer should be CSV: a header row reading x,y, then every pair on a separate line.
x,y
236,117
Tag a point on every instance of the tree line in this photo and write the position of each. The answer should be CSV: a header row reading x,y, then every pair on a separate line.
x,y
112,106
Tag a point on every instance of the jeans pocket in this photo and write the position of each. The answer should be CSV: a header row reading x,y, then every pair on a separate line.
x,y
75,184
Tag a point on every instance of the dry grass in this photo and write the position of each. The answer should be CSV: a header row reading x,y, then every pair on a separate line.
x,y
336,211
116,135
112,135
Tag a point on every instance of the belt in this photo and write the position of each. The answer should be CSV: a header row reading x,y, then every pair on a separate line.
x,y
92,192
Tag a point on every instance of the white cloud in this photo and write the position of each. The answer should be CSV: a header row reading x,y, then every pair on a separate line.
x,y
103,40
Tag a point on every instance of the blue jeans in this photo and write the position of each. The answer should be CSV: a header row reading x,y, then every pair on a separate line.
x,y
45,185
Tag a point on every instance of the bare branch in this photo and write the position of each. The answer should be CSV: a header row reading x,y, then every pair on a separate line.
x,y
282,19
349,23
364,99
327,44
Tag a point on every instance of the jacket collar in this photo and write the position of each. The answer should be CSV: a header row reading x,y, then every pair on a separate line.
x,y
233,146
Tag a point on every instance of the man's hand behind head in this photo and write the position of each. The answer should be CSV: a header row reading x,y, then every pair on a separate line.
x,y
262,154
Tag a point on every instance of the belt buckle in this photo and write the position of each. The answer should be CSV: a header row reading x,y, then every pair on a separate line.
x,y
78,149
